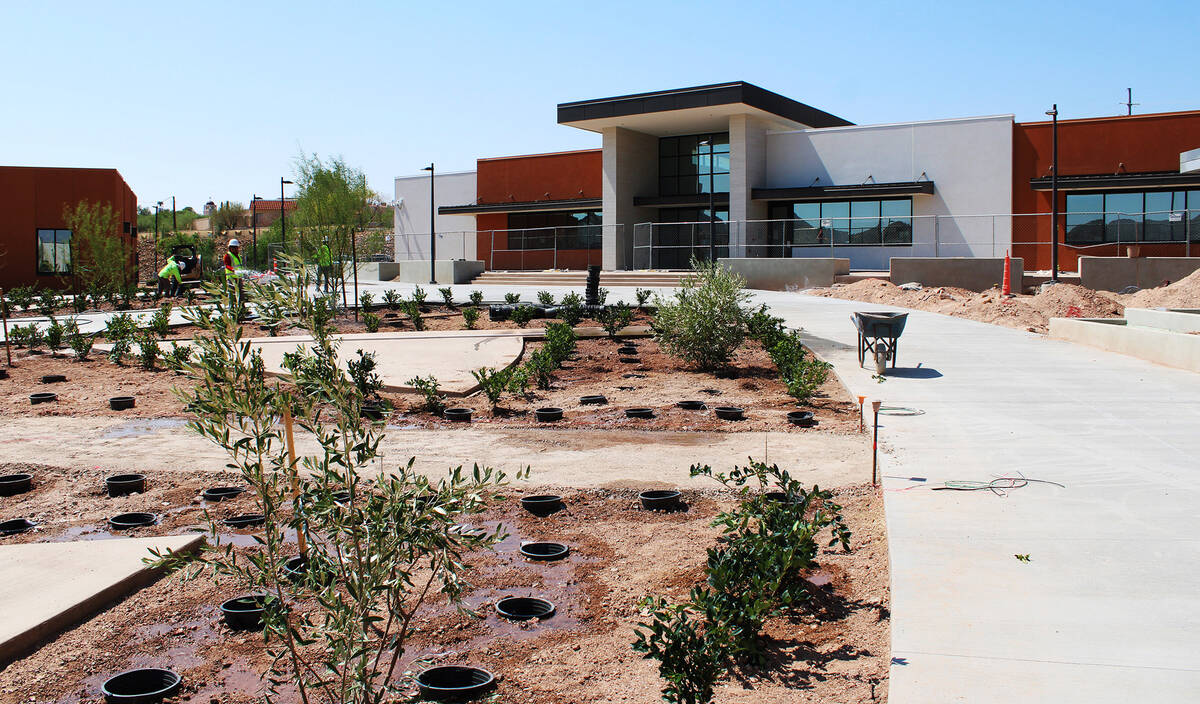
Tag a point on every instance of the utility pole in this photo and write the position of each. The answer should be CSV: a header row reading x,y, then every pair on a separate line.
x,y
432,228
1129,101
157,208
174,222
1053,113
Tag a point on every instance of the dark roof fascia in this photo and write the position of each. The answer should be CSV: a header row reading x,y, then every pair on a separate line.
x,y
522,206
698,97
861,190
680,201
1157,179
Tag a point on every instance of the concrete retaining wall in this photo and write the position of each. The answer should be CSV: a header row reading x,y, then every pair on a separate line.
x,y
1185,321
1116,273
1162,346
787,274
971,273
449,271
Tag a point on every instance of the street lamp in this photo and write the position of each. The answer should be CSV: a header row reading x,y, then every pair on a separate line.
x,y
432,229
712,211
283,213
1053,113
157,207
254,227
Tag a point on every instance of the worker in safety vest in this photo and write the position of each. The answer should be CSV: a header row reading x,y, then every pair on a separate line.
x,y
170,280
233,266
324,267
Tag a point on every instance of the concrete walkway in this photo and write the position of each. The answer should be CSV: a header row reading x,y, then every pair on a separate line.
x,y
1105,609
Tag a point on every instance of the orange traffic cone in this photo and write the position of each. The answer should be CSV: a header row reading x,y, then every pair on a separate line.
x,y
1006,285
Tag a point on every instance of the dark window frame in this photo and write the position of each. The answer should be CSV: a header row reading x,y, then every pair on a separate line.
x,y
848,230
56,270
554,229
690,179
1097,231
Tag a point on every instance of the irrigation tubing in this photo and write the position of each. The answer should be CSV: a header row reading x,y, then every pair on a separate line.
x,y
1000,486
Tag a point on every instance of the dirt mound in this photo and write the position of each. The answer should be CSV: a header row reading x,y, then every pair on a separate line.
x,y
1030,313
1184,293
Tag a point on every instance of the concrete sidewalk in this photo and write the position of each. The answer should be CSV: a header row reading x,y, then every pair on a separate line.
x,y
1106,609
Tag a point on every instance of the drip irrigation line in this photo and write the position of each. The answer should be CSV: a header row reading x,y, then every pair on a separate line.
x,y
1000,486
900,411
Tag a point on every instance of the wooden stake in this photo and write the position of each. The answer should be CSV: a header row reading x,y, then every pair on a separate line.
x,y
4,314
291,448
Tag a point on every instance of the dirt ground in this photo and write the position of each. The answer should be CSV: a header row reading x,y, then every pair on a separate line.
x,y
1024,312
839,651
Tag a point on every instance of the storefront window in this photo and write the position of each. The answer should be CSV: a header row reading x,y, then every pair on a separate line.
x,y
555,230
693,165
858,222
1132,216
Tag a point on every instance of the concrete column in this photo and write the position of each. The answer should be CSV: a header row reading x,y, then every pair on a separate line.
x,y
630,169
747,170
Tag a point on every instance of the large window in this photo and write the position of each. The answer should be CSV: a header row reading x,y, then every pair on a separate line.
x,y
555,230
1132,216
855,222
683,233
53,251
693,165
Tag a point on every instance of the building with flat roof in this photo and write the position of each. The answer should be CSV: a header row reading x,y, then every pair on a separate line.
x,y
733,170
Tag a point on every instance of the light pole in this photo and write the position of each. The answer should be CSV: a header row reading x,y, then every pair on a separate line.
x,y
254,227
432,228
174,222
1053,113
157,207
712,211
283,213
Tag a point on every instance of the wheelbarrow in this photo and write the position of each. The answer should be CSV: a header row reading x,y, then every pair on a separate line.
x,y
879,334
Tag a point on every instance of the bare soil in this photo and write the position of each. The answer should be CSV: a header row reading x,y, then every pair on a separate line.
x,y
837,651
1024,312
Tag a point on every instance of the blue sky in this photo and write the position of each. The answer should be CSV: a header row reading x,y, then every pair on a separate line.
x,y
216,99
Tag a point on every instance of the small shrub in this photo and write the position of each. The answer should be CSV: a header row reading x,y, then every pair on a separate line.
x,y
570,311
539,367
119,327
447,296
419,295
81,343
120,350
803,380
560,342
160,322
703,323
54,335
414,314
392,299
689,644
764,327
362,373
48,302
427,386
601,295
545,298
29,336
642,295
365,301
470,317
22,297
521,315
371,321
79,302
512,298
616,318
178,357
148,350
476,297
492,382
518,381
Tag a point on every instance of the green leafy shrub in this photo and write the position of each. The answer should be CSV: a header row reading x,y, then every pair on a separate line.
x,y
428,387
560,342
79,302
518,381
160,322
81,343
22,297
614,319
371,322
570,311
601,295
119,351
801,372
521,315
414,314
690,645
29,336
642,295
476,297
119,327
545,298
512,298
48,302
493,383
177,357
764,327
702,322
365,301
470,317
54,335
447,296
148,350
362,372
419,295
392,298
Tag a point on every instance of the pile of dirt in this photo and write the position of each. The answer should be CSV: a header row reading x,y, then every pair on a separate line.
x,y
1024,312
1184,293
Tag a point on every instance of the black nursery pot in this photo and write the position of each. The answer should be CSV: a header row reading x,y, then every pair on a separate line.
x,y
457,415
245,613
245,520
454,683
297,569
42,397
639,412
128,521
141,686
627,351
372,410
13,484
16,525
54,378
730,413
804,419
220,493
125,484
660,500
542,505
524,608
596,400
121,403
692,405
549,414
629,360
545,551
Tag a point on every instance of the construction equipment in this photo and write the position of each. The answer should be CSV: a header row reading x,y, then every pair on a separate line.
x,y
879,333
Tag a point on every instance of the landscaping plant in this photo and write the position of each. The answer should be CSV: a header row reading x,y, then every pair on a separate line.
x,y
522,314
160,322
365,301
54,335
392,299
470,317
362,372
427,386
119,327
148,350
48,302
447,296
374,561
801,372
601,295
177,357
560,342
570,311
539,367
702,322
518,381
616,318
79,302
419,295
545,298
371,321
642,295
476,297
29,336
414,314
493,383
22,297
512,298
81,343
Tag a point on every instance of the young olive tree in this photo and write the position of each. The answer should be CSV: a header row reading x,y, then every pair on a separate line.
x,y
702,323
370,552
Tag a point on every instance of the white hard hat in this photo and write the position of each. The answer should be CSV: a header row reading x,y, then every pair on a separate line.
x,y
234,243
